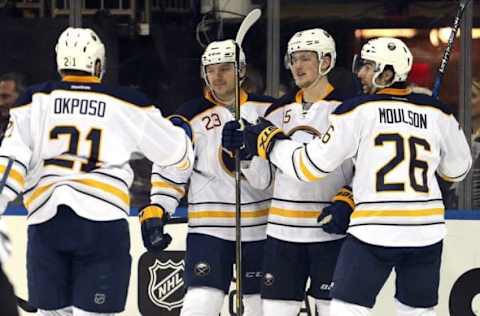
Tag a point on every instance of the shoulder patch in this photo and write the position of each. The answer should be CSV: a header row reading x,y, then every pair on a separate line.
x,y
45,87
129,95
426,100
193,107
282,101
352,103
413,98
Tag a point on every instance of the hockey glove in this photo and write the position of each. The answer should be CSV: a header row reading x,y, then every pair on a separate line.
x,y
261,137
233,138
335,218
182,122
152,219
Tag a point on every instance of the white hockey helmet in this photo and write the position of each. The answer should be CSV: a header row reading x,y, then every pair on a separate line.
x,y
80,49
220,52
385,51
314,40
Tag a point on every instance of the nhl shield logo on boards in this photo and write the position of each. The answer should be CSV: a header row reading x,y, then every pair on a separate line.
x,y
165,288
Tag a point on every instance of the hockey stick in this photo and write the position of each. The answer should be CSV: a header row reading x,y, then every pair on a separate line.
x,y
247,23
446,55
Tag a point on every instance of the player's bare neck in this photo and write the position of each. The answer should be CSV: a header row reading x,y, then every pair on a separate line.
x,y
227,101
317,90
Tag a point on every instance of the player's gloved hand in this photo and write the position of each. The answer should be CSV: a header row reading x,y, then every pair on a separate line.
x,y
233,138
181,122
335,218
152,219
261,137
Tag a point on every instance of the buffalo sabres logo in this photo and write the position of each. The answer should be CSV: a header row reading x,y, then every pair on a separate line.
x,y
165,281
202,269
268,279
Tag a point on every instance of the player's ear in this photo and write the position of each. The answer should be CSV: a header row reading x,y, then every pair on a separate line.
x,y
386,77
98,68
243,71
326,61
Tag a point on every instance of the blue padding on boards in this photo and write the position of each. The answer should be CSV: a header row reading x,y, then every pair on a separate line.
x,y
181,212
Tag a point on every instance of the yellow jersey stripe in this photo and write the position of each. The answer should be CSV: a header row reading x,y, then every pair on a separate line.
x,y
225,214
122,195
14,174
294,213
398,213
167,185
36,193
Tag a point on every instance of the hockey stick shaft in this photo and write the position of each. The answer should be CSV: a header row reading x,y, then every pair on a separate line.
x,y
246,24
446,55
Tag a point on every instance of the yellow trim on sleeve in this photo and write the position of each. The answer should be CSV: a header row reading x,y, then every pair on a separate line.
x,y
167,185
293,213
184,164
304,169
14,174
398,213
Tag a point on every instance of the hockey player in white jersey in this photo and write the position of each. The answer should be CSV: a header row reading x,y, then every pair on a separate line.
x,y
292,229
398,141
71,142
210,252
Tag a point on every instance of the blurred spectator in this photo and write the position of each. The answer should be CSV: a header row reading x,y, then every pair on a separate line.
x,y
12,85
253,83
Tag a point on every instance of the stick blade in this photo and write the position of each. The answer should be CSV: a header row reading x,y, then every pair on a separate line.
x,y
247,23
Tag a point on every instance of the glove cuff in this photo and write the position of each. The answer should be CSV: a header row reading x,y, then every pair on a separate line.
x,y
345,195
152,211
267,138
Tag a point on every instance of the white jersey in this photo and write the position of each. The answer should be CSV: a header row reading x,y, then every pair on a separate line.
x,y
296,204
211,190
398,140
72,141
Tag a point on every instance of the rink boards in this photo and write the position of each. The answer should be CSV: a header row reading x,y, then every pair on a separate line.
x,y
461,254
